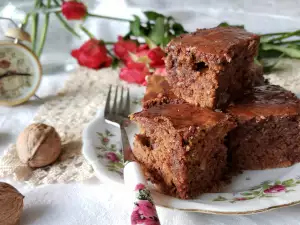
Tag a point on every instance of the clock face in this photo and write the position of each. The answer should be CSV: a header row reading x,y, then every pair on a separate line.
x,y
20,74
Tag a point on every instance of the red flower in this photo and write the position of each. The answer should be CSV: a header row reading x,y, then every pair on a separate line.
x,y
112,157
105,140
143,47
74,10
123,47
134,73
139,187
92,54
275,189
156,56
4,64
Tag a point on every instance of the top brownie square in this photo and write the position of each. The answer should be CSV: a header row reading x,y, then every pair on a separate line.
x,y
208,67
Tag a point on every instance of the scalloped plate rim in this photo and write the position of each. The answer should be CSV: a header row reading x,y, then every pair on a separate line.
x,y
174,203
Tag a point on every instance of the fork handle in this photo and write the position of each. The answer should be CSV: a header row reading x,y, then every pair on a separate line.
x,y
144,211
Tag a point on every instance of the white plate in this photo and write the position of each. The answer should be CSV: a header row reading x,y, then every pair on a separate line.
x,y
250,192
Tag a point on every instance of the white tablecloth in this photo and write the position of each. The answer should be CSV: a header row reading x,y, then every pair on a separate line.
x,y
91,203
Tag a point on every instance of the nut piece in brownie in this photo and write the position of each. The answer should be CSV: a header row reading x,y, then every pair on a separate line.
x,y
181,147
268,131
208,67
158,92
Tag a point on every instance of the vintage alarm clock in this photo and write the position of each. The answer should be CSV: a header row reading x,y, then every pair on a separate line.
x,y
20,69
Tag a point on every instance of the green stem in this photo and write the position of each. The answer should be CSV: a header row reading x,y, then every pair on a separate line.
x,y
108,52
109,43
63,22
35,23
45,31
272,34
25,22
108,17
88,33
286,35
66,25
287,42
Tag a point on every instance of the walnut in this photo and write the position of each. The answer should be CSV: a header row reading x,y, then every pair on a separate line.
x,y
38,145
11,204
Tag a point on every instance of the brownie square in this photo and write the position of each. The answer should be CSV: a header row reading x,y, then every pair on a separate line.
x,y
158,92
181,147
268,131
208,67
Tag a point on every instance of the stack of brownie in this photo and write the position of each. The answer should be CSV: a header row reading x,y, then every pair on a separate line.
x,y
213,112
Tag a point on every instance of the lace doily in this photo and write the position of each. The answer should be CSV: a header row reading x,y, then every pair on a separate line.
x,y
73,107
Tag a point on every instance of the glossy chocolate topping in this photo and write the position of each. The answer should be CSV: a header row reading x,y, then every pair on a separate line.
x,y
266,101
215,41
184,115
157,87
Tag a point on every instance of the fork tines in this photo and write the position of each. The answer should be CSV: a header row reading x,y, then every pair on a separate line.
x,y
120,106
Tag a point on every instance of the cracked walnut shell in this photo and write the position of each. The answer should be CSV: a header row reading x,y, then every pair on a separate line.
x,y
38,145
11,204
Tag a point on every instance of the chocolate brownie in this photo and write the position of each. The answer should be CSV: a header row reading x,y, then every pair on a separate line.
x,y
158,92
181,147
268,131
208,67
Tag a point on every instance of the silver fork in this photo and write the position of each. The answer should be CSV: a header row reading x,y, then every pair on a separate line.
x,y
116,115
133,175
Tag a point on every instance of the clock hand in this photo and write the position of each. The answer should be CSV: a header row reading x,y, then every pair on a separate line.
x,y
11,73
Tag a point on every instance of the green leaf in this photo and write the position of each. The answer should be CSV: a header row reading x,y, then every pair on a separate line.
x,y
277,182
266,182
151,15
291,190
262,54
298,182
150,43
108,133
157,34
265,186
115,63
100,134
287,183
256,193
254,188
289,51
220,198
246,193
178,29
135,26
225,24
170,18
166,40
127,36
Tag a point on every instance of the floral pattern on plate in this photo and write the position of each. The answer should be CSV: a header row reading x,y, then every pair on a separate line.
x,y
266,189
110,152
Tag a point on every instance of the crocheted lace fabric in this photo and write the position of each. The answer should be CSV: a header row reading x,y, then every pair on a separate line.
x,y
71,109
